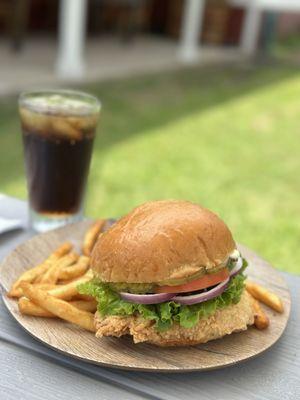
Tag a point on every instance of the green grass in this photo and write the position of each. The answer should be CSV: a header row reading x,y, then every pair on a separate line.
x,y
226,137
288,46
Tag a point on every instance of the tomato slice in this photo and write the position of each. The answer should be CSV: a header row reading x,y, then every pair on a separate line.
x,y
201,283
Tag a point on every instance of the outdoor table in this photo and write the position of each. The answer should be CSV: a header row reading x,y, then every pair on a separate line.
x,y
30,370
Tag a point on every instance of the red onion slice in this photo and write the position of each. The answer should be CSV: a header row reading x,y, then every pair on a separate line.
x,y
146,298
199,298
236,269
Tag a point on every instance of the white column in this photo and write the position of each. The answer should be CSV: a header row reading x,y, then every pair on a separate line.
x,y
72,30
190,30
251,28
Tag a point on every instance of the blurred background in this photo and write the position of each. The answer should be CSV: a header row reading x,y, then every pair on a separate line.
x,y
201,101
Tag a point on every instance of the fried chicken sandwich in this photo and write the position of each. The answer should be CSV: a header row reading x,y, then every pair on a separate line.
x,y
169,273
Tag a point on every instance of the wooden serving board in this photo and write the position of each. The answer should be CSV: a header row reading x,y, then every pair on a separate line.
x,y
122,353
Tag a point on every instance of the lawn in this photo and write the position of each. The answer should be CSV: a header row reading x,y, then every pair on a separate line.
x,y
226,137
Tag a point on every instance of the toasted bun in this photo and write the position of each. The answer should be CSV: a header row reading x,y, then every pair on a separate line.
x,y
162,240
225,321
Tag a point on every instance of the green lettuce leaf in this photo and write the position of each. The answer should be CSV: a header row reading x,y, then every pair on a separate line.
x,y
164,314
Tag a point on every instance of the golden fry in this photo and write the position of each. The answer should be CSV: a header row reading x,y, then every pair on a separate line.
x,y
91,236
82,297
58,307
261,321
66,292
62,250
33,273
90,305
265,296
52,274
45,286
76,270
67,281
27,307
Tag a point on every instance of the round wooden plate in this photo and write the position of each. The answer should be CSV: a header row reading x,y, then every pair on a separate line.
x,y
122,353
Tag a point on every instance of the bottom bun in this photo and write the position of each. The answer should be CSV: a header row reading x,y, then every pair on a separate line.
x,y
233,318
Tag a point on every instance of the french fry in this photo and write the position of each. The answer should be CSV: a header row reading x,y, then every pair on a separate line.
x,y
261,321
39,278
58,307
62,250
45,286
32,274
90,305
91,236
76,270
52,274
66,292
42,286
27,307
265,296
67,281
82,297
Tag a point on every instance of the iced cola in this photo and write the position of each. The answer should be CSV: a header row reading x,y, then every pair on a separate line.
x,y
58,132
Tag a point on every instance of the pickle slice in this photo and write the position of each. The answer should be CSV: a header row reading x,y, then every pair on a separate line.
x,y
197,275
141,288
136,288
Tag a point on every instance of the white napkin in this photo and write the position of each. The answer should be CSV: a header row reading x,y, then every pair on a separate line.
x,y
8,224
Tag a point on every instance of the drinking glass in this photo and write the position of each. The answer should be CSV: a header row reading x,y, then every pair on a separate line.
x,y
58,129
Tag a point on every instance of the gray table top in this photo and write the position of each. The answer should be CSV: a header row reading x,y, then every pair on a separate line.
x,y
28,370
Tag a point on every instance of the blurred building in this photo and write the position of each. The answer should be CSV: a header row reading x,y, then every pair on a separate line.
x,y
188,24
222,20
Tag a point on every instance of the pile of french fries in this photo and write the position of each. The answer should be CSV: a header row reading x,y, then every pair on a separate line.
x,y
49,289
260,294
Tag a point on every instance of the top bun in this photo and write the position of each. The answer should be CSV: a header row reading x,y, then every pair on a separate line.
x,y
162,240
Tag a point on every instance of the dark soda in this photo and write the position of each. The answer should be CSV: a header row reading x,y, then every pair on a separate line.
x,y
57,172
58,134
